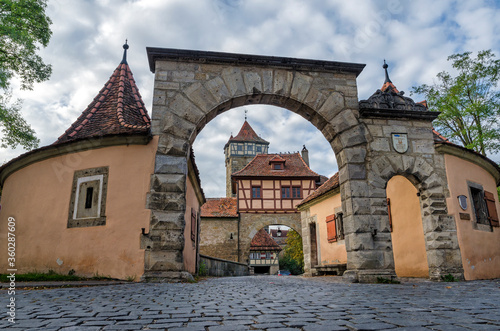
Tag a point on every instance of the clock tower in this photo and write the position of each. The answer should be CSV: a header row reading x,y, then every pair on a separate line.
x,y
240,150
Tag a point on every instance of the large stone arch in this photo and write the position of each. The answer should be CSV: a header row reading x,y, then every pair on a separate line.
x,y
192,87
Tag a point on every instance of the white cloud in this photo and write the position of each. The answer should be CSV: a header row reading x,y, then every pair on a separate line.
x,y
414,37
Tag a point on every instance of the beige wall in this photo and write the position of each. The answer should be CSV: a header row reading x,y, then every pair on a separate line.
x,y
189,252
408,242
329,253
38,197
480,250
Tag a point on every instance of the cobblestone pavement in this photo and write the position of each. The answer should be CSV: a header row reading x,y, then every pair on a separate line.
x,y
261,303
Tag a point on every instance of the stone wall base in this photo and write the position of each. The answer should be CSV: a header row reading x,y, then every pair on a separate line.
x,y
167,277
368,276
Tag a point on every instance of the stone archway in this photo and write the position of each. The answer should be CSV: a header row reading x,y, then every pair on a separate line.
x,y
193,87
250,224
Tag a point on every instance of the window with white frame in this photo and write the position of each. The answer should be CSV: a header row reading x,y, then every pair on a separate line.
x,y
88,198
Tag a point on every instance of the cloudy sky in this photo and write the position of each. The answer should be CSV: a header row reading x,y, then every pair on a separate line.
x,y
415,38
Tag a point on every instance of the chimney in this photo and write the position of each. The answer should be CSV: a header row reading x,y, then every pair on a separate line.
x,y
305,155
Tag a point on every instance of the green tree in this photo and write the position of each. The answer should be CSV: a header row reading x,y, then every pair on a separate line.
x,y
469,102
24,27
293,256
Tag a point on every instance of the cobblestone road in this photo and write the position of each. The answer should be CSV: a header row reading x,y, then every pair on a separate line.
x,y
261,303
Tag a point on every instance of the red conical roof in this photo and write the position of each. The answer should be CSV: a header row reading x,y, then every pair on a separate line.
x,y
117,109
247,134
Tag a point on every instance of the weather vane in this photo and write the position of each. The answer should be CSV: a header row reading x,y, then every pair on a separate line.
x,y
246,111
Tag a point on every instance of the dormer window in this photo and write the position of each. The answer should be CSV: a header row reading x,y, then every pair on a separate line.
x,y
277,163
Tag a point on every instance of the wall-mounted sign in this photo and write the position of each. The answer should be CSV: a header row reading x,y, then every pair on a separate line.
x,y
462,202
400,142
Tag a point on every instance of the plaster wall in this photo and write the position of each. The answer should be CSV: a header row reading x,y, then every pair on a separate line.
x,y
408,242
189,252
329,253
480,249
38,198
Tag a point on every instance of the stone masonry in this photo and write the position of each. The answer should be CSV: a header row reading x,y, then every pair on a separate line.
x,y
193,87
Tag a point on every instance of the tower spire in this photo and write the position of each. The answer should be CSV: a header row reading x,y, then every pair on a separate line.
x,y
125,47
387,79
246,111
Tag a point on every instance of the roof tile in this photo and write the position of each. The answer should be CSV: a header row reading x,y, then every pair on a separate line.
x,y
219,207
262,241
117,109
259,167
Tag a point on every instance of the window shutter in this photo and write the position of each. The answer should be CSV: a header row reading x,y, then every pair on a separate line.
x,y
389,212
492,208
193,224
331,228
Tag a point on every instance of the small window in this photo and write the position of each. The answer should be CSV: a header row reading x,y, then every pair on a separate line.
x,y
285,192
88,198
256,192
277,166
296,192
339,220
258,149
239,148
480,209
268,256
250,148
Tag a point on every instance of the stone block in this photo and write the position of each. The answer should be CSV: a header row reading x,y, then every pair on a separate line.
x,y
361,224
389,129
182,76
444,259
178,126
201,97
218,89
354,188
166,201
234,81
360,206
376,181
344,120
168,183
333,105
169,220
300,86
267,81
253,82
160,85
315,98
382,167
380,145
282,82
397,163
408,162
163,260
159,97
366,260
422,146
170,145
328,132
183,107
169,164
353,136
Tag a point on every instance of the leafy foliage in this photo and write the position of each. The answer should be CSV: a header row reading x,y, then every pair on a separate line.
x,y
293,257
23,28
469,102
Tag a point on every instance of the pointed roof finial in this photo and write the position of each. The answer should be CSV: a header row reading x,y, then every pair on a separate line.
x,y
385,66
246,111
125,47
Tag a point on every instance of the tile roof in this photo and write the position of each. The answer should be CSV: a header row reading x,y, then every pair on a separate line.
x,y
219,207
259,167
262,241
329,185
247,134
117,109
